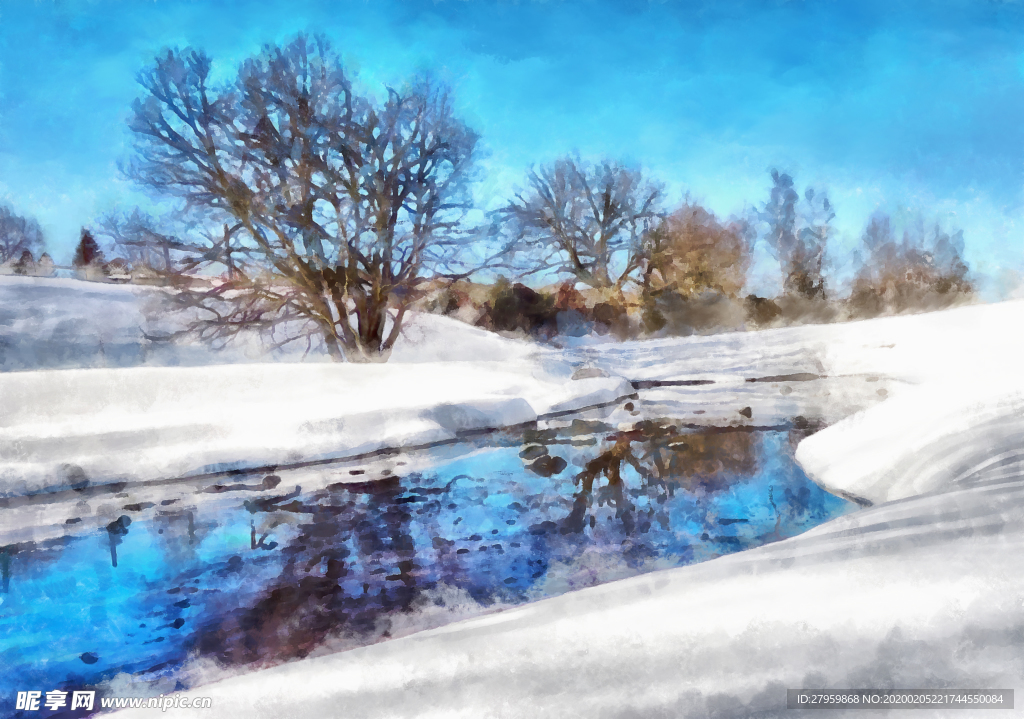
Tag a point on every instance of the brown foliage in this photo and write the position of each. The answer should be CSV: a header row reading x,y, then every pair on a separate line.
x,y
691,252
695,267
908,275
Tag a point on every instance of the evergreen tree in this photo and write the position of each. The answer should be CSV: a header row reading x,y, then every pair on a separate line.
x,y
88,251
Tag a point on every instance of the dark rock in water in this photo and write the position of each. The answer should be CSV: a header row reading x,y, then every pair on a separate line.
x,y
138,507
89,658
268,482
547,465
732,521
271,481
119,527
533,451
746,412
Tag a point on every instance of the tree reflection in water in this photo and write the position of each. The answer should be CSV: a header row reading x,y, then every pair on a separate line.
x,y
267,572
366,551
665,460
350,563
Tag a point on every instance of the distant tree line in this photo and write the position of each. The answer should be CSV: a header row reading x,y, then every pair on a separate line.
x,y
313,212
20,240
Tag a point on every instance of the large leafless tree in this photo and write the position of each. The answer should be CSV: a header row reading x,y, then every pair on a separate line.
x,y
585,220
327,208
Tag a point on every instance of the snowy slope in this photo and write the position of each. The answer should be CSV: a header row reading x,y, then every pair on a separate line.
x,y
931,438
878,599
923,591
48,323
913,348
159,422
118,421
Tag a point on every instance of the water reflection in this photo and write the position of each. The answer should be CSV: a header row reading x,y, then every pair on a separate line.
x,y
116,531
261,571
665,460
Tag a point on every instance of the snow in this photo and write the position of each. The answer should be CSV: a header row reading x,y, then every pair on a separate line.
x,y
923,589
149,423
142,423
49,323
927,439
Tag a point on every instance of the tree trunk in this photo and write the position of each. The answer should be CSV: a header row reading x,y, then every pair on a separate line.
x,y
367,345
333,347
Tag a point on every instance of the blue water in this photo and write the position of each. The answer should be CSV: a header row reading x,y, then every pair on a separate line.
x,y
272,573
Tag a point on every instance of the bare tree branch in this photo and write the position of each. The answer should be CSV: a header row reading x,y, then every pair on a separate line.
x,y
314,189
584,215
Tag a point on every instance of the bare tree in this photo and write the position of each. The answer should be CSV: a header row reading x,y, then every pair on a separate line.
x,y
328,209
148,241
798,239
576,217
18,234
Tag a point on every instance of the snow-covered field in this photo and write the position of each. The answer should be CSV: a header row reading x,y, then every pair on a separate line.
x,y
59,428
924,587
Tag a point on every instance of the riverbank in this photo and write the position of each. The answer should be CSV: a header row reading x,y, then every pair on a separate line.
x,y
923,589
880,599
62,429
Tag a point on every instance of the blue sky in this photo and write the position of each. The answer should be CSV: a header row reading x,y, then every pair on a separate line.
x,y
889,105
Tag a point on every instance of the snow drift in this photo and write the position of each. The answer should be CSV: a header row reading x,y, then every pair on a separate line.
x,y
924,589
48,323
60,428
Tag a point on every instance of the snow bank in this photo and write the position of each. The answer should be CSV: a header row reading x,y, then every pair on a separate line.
x,y
119,421
962,421
926,591
59,427
927,439
965,341
49,323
